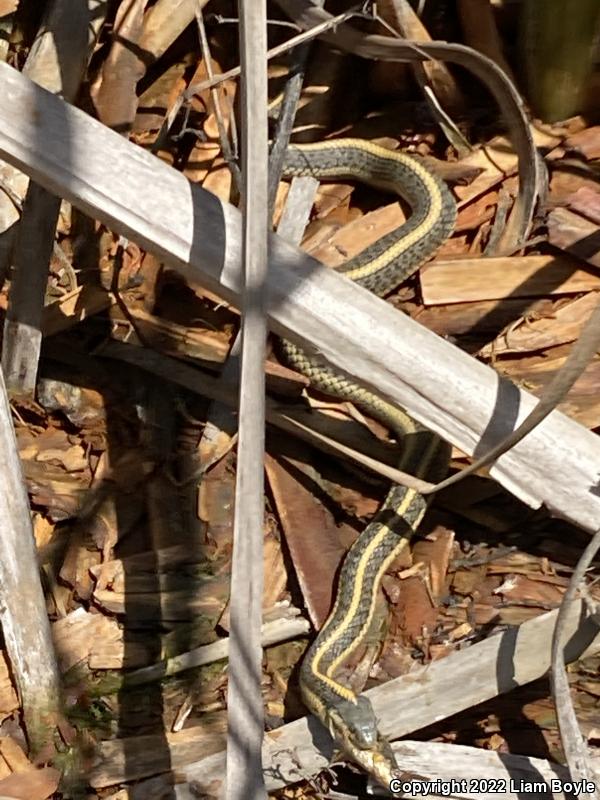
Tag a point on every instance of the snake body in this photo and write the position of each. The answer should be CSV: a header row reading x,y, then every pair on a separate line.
x,y
380,268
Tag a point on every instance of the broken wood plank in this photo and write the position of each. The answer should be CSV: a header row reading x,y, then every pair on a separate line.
x,y
312,536
141,756
279,624
477,772
183,341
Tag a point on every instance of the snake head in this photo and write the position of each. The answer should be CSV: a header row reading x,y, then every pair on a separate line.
x,y
354,722
354,727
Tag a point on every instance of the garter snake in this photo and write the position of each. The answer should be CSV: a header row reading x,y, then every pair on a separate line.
x,y
379,268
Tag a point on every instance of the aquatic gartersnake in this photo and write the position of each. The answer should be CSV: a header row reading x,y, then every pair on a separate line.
x,y
379,268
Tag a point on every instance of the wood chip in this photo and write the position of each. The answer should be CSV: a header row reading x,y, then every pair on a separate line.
x,y
30,784
76,635
531,334
586,201
74,307
576,235
468,279
586,142
479,318
359,234
495,161
311,534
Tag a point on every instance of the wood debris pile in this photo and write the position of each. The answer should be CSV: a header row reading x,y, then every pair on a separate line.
x,y
127,436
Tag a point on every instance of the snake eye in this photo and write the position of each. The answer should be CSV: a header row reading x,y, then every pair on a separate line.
x,y
365,736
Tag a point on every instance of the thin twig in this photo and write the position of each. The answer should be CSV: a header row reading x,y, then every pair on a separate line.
x,y
200,86
573,744
229,156
295,41
434,79
285,121
245,725
288,625
285,124
317,439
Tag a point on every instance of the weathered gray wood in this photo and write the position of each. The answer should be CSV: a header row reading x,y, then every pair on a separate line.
x,y
427,695
245,717
296,212
57,62
478,770
447,390
22,605
22,338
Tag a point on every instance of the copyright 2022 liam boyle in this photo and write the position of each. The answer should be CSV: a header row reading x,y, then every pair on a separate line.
x,y
492,786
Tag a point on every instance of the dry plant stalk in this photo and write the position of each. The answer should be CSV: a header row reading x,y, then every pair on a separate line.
x,y
244,701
